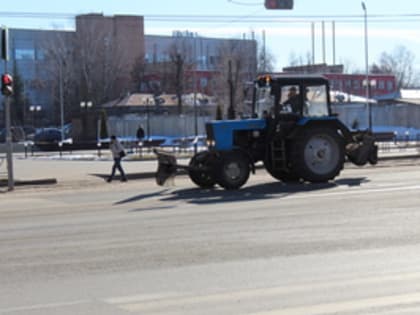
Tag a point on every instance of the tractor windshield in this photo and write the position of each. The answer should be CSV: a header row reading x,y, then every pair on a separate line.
x,y
264,101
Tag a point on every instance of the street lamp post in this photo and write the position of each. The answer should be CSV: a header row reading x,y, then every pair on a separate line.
x,y
85,106
369,84
368,105
34,109
147,119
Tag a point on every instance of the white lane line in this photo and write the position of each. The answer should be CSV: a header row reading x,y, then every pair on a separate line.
x,y
137,303
42,306
347,306
347,192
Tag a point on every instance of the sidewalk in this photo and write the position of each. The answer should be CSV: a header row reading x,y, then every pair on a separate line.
x,y
76,169
86,168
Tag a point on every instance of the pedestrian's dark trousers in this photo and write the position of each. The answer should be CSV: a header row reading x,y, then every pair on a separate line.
x,y
117,165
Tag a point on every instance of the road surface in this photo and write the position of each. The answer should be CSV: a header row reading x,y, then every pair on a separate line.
x,y
348,247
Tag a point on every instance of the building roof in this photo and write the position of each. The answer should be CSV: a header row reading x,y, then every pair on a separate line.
x,y
142,99
341,97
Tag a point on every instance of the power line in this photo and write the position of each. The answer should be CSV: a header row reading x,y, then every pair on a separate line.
x,y
245,3
250,18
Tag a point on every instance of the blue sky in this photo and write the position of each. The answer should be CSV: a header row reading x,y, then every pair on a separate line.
x,y
287,32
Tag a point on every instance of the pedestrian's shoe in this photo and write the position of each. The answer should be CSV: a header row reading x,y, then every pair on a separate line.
x,y
109,180
123,179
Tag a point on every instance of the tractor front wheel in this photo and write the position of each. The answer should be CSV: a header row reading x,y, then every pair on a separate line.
x,y
200,170
233,170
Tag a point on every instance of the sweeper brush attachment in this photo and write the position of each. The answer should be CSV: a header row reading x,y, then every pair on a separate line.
x,y
167,167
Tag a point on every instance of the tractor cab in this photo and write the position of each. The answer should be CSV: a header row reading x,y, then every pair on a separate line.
x,y
302,96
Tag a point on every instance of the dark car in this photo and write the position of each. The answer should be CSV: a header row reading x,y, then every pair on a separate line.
x,y
47,135
18,134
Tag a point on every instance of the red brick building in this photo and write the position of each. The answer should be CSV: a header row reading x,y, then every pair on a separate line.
x,y
355,84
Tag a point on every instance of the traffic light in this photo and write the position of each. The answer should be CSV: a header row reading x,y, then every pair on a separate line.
x,y
6,84
278,4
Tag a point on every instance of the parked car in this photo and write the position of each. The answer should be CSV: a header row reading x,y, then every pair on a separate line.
x,y
47,135
29,132
18,134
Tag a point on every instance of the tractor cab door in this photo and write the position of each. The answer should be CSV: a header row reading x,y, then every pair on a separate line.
x,y
316,101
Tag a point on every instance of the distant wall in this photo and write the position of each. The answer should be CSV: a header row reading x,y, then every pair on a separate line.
x,y
161,125
398,114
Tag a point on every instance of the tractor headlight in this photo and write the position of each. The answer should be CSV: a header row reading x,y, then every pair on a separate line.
x,y
210,143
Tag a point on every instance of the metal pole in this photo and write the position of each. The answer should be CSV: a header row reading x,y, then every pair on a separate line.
x,y
333,40
368,105
264,68
9,149
61,101
313,41
324,59
147,118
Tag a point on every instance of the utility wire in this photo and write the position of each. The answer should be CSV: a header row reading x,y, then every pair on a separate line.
x,y
245,3
251,18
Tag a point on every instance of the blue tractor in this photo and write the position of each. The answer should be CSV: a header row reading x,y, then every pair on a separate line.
x,y
292,131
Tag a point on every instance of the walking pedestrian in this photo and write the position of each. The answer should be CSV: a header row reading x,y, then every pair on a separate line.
x,y
118,153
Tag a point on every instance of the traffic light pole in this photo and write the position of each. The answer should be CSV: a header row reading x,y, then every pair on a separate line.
x,y
9,151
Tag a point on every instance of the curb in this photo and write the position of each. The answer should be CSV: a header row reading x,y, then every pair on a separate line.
x,y
148,175
47,181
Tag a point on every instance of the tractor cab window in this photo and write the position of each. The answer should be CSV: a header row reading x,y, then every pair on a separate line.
x,y
264,101
290,99
315,101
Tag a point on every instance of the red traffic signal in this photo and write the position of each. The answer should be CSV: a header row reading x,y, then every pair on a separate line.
x,y
6,84
278,4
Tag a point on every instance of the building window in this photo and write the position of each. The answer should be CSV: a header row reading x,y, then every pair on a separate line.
x,y
24,54
356,84
381,85
24,50
390,85
348,84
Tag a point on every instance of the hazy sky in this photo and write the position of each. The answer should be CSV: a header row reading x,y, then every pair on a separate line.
x,y
287,32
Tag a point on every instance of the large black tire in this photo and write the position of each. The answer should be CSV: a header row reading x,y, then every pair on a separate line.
x,y
318,154
200,170
232,170
286,177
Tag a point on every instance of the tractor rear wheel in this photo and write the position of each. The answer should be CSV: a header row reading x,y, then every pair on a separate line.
x,y
232,170
200,170
318,154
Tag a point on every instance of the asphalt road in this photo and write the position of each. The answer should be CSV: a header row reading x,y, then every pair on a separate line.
x,y
348,247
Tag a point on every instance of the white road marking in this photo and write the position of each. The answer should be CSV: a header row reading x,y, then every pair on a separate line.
x,y
144,303
42,306
347,192
347,306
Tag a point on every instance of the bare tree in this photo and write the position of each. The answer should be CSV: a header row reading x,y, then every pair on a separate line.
x,y
266,61
181,56
99,63
59,51
299,60
138,74
400,62
237,66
